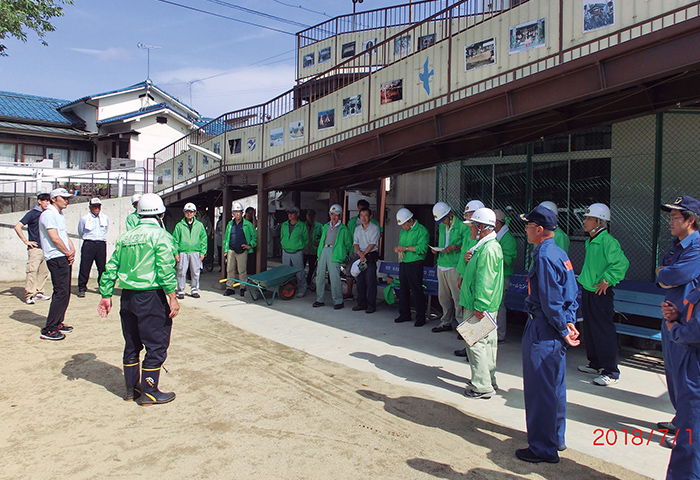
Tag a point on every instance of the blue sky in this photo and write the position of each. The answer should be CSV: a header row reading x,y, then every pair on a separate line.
x,y
94,50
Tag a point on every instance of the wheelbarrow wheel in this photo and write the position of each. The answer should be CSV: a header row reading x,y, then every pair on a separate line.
x,y
288,291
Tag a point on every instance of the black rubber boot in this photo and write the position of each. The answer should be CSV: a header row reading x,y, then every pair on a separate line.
x,y
151,395
132,376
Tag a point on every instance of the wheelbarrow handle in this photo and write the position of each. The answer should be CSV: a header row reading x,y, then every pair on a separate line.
x,y
224,280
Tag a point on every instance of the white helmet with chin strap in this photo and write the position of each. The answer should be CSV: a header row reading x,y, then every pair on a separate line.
x,y
237,207
440,211
150,204
598,210
336,208
135,198
473,206
484,216
403,216
189,207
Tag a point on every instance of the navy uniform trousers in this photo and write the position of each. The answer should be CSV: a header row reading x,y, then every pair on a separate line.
x,y
145,323
544,387
599,331
411,281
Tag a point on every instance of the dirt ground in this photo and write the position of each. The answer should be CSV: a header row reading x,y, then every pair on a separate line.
x,y
246,408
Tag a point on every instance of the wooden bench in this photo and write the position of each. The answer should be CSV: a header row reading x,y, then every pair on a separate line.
x,y
632,298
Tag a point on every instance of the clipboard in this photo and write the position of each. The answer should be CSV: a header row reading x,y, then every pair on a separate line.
x,y
472,329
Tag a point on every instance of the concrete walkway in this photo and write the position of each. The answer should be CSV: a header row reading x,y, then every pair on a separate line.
x,y
416,357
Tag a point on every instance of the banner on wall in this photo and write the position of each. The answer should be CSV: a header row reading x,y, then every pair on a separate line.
x,y
527,36
598,14
480,54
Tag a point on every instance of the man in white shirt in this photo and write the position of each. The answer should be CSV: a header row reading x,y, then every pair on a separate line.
x,y
366,241
59,253
92,229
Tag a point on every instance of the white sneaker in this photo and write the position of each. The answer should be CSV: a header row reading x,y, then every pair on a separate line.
x,y
300,295
604,381
41,296
30,301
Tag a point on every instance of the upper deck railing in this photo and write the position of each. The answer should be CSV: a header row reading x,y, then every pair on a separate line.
x,y
463,50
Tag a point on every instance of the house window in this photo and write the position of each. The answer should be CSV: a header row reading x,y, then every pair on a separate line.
x,y
8,152
32,153
59,156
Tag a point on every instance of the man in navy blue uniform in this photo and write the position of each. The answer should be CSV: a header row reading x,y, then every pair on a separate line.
x,y
678,273
550,328
683,329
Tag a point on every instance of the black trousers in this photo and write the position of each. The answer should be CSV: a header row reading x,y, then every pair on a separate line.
x,y
367,284
311,261
599,331
145,323
411,280
60,279
91,251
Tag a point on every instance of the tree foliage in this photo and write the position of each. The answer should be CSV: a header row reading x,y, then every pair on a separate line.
x,y
17,17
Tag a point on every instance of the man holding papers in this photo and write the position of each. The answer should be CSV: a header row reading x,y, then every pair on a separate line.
x,y
481,291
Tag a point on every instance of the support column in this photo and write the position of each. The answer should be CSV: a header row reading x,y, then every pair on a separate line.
x,y
263,226
227,200
658,171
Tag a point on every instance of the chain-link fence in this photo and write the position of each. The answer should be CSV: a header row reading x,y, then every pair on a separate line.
x,y
631,166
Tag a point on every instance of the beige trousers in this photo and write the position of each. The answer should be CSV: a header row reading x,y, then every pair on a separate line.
x,y
37,273
236,267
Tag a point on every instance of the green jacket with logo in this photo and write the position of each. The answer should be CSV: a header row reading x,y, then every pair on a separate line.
x,y
561,239
342,245
467,243
132,220
604,260
143,259
482,286
298,239
251,236
190,240
457,233
416,236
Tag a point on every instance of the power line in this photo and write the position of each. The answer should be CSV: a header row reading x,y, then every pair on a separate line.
x,y
257,12
303,8
225,17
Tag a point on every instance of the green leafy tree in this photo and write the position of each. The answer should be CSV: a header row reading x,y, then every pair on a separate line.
x,y
17,17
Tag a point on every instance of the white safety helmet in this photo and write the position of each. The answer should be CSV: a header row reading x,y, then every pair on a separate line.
x,y
357,268
237,207
473,206
150,204
189,207
135,198
403,216
598,210
484,216
337,209
551,206
440,211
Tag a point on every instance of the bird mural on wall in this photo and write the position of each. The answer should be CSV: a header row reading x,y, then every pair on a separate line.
x,y
425,76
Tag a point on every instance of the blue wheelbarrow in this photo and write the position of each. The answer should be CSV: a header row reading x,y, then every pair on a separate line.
x,y
279,279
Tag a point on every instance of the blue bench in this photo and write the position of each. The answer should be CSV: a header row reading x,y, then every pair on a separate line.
x,y
430,281
633,298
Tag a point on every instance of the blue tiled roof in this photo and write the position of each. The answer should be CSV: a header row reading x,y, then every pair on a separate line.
x,y
31,107
210,127
127,89
141,111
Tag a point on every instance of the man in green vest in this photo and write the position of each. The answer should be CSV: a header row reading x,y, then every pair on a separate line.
x,y
133,218
451,232
294,237
481,293
240,238
336,242
604,267
412,248
561,239
510,249
191,247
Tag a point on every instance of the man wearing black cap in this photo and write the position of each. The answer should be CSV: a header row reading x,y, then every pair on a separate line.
x,y
550,328
678,273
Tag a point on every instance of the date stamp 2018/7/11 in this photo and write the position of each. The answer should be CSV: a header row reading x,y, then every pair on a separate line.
x,y
610,437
